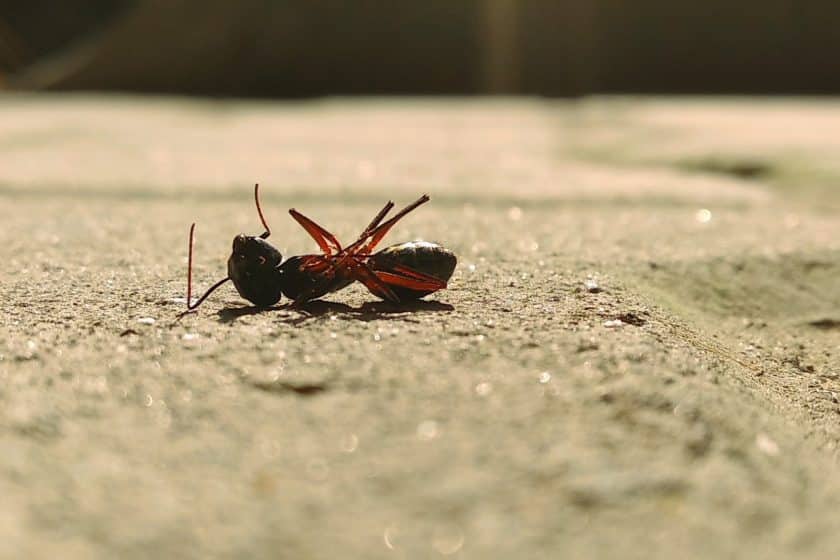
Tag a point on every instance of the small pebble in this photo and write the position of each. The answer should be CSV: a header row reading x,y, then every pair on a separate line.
x,y
766,445
483,389
703,216
427,430
146,321
592,286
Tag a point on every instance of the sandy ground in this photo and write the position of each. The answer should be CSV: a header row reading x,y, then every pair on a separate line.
x,y
637,355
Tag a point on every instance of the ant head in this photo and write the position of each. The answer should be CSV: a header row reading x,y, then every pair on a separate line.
x,y
254,264
254,268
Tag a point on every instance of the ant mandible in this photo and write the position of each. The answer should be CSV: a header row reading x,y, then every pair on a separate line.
x,y
397,273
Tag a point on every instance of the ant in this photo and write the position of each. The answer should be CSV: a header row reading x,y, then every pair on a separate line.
x,y
401,272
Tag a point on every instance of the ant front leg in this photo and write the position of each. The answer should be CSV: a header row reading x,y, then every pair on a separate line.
x,y
325,240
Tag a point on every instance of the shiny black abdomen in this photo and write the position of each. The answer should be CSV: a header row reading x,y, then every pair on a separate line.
x,y
422,256
301,285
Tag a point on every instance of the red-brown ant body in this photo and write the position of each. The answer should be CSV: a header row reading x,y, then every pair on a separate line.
x,y
402,272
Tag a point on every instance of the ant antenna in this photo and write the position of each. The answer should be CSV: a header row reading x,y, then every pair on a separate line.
x,y
267,231
191,306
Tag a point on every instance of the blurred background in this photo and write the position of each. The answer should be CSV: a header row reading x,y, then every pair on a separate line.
x,y
301,48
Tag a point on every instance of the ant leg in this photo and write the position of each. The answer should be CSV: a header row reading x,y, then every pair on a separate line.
x,y
380,231
378,218
302,299
375,285
359,249
321,236
406,277
373,224
267,231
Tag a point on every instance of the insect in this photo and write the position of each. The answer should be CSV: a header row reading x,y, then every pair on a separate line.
x,y
397,273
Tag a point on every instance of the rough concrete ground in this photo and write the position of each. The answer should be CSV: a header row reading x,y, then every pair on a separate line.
x,y
636,357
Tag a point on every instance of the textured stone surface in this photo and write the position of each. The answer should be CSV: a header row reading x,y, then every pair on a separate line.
x,y
688,407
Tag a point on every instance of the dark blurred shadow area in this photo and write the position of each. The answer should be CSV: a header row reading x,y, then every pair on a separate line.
x,y
298,48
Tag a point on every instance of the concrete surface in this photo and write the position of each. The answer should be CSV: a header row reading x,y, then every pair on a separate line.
x,y
637,355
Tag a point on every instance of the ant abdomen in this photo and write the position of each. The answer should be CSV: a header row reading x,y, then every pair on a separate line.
x,y
422,256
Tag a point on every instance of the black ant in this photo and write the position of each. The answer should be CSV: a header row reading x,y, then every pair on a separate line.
x,y
401,272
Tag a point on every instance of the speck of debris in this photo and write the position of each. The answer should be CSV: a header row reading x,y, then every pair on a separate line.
x,y
766,445
304,389
592,286
632,319
825,324
128,332
587,346
796,362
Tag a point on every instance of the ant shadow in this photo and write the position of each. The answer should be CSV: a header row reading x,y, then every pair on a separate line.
x,y
369,311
